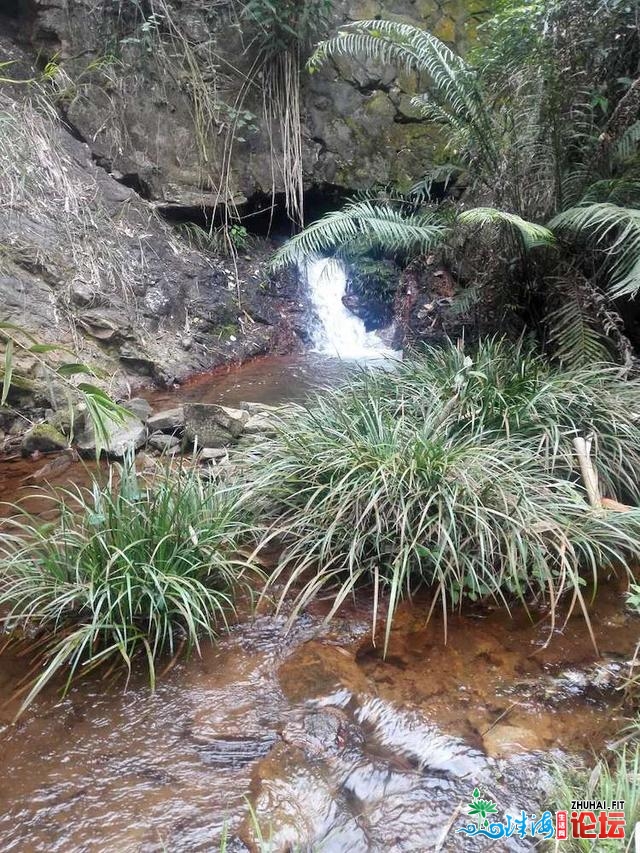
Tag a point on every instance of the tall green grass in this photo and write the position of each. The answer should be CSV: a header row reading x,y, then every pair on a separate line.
x,y
130,569
455,472
508,390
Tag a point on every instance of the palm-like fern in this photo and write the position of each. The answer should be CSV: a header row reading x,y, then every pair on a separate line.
x,y
375,226
454,96
525,142
530,233
614,231
576,338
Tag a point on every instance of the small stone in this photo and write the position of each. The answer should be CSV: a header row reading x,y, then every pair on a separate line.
x,y
212,454
162,442
43,438
187,342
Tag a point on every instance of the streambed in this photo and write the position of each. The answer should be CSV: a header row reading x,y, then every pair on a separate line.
x,y
336,747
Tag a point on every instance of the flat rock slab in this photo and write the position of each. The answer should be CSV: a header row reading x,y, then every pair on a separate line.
x,y
170,420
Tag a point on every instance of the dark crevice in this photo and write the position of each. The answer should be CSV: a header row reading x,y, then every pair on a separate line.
x,y
261,215
399,118
134,182
371,88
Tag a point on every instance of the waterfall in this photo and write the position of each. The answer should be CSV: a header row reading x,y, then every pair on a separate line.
x,y
338,332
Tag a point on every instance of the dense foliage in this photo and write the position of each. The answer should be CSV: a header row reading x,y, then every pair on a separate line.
x,y
541,130
614,778
457,473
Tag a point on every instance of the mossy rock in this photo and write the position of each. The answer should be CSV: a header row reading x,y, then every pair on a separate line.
x,y
445,30
43,438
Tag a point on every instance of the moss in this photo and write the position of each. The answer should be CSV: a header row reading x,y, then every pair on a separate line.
x,y
364,10
379,104
427,9
43,438
445,30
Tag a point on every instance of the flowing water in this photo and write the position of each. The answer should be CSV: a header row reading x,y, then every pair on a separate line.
x,y
338,333
335,747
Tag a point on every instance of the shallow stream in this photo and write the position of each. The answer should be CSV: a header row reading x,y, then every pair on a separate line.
x,y
336,747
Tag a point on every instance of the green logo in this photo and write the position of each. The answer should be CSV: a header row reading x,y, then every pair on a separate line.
x,y
481,809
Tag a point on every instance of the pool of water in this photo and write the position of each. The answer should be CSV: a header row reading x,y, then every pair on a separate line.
x,y
272,379
335,747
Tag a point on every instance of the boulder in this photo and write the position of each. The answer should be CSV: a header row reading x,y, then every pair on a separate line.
x,y
170,420
43,438
211,425
260,424
139,407
65,420
123,437
233,420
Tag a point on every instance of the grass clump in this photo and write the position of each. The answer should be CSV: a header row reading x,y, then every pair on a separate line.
x,y
508,390
130,569
453,473
614,780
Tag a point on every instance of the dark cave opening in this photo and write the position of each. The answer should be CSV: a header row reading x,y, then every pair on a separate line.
x,y
262,215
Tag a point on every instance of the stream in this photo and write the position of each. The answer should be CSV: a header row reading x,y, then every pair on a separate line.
x,y
333,746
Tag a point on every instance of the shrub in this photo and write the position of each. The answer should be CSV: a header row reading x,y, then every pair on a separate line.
x,y
453,482
129,569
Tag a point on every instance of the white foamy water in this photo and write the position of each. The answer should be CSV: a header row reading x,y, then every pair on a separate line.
x,y
339,333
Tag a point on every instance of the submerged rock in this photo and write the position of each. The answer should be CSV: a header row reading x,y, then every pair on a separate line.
x,y
505,740
226,751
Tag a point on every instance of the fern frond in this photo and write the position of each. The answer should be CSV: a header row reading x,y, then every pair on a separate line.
x,y
619,191
368,225
531,233
444,174
573,332
613,230
627,146
454,93
465,301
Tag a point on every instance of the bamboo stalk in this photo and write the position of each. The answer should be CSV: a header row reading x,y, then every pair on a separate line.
x,y
589,474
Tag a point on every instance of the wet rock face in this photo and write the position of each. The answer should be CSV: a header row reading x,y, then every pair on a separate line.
x,y
87,263
359,127
428,308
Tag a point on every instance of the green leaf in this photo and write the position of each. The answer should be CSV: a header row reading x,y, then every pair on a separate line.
x,y
8,371
73,368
